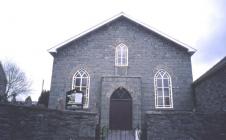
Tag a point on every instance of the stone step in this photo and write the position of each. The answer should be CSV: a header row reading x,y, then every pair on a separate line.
x,y
120,135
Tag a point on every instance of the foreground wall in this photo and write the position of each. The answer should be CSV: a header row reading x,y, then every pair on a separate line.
x,y
30,123
185,126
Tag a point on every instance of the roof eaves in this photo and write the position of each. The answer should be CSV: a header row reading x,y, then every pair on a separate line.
x,y
189,48
212,70
54,49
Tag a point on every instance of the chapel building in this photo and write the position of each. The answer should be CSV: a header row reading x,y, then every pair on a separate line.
x,y
125,70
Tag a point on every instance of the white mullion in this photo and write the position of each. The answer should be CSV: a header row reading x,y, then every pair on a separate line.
x,y
80,86
87,90
170,90
157,93
116,56
127,56
163,98
156,100
170,93
73,82
155,86
121,54
157,96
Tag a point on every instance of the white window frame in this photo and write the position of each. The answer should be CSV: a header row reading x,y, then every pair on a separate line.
x,y
120,51
83,74
156,77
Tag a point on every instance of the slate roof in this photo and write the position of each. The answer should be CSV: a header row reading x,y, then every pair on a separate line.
x,y
54,49
221,64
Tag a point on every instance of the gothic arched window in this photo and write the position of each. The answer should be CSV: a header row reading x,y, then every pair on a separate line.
x,y
163,90
121,55
80,82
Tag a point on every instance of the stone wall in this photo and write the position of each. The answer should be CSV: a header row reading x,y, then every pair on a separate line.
x,y
32,123
210,92
185,126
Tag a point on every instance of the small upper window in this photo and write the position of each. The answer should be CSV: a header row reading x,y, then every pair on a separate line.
x,y
81,82
163,90
121,55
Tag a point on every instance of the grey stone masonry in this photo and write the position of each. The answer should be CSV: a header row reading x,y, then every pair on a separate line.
x,y
210,89
32,123
184,125
147,53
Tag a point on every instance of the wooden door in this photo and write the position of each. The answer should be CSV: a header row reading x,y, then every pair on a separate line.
x,y
120,117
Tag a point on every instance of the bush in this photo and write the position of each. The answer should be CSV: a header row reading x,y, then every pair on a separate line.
x,y
44,98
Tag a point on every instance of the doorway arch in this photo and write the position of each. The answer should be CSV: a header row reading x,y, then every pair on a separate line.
x,y
120,114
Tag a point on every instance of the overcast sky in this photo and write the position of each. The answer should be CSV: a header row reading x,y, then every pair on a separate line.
x,y
28,28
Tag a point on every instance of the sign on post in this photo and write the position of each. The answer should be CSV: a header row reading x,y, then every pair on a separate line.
x,y
74,100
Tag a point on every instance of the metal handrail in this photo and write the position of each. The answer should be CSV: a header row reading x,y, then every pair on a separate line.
x,y
137,134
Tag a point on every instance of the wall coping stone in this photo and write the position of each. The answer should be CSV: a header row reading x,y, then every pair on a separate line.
x,y
77,112
158,112
162,112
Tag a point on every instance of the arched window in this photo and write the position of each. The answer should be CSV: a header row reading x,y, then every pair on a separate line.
x,y
121,55
163,90
81,81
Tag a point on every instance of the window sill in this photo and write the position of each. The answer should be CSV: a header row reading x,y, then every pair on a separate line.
x,y
121,66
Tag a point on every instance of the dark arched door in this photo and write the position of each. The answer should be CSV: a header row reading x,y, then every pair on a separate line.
x,y
120,117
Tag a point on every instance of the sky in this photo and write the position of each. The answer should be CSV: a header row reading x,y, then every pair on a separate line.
x,y
28,28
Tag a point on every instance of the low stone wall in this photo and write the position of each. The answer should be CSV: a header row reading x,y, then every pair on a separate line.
x,y
185,126
32,123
